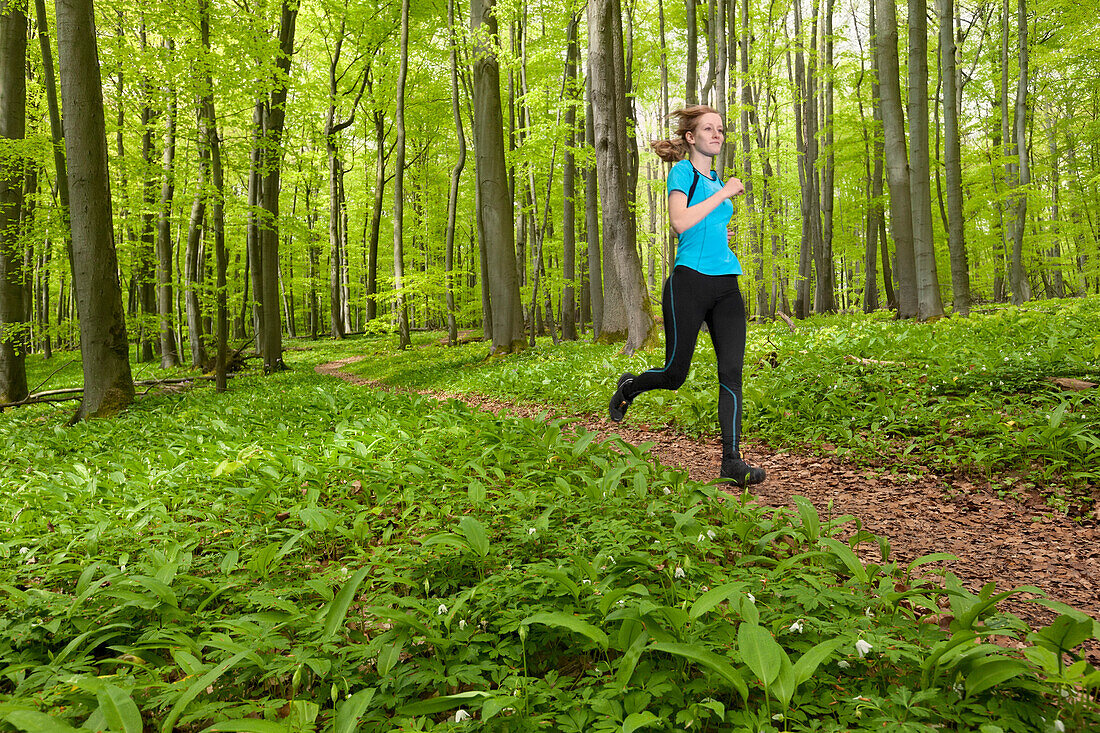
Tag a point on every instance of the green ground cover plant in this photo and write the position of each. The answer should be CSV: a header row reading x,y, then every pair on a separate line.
x,y
961,394
301,554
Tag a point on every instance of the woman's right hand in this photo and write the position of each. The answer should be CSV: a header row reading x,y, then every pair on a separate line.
x,y
733,187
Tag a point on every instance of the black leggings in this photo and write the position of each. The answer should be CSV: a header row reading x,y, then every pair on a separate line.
x,y
690,299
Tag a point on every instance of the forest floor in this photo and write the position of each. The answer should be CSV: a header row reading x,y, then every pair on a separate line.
x,y
1013,541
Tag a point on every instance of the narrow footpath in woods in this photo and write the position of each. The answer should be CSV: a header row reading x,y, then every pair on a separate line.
x,y
1013,542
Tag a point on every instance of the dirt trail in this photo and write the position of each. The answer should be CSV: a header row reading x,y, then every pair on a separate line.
x,y
1013,543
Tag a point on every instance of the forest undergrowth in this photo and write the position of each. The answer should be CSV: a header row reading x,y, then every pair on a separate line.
x,y
303,554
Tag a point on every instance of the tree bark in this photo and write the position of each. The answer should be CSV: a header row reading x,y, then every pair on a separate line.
x,y
274,120
956,238
210,139
494,202
592,223
108,383
897,163
627,313
14,318
929,301
1021,288
456,178
169,355
403,338
569,189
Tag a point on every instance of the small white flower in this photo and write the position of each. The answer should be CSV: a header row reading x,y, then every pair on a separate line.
x,y
667,490
842,664
586,581
462,623
704,589
869,613
752,598
862,647
711,533
701,538
797,626
441,610
530,530
1059,726
24,550
679,573
777,717
461,715
610,560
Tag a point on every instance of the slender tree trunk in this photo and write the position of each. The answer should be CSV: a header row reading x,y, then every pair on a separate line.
x,y
592,226
691,67
108,384
1021,288
956,241
14,319
252,242
569,189
403,338
193,272
825,296
897,163
376,216
456,178
169,355
56,132
211,141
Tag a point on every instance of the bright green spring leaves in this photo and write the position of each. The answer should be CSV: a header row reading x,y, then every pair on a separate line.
x,y
301,554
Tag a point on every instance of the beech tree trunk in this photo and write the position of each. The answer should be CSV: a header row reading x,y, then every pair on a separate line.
x,y
108,383
169,355
456,178
956,241
274,120
627,313
403,338
569,189
1021,288
929,302
14,318
494,202
897,162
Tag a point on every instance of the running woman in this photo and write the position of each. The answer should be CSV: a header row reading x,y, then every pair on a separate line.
x,y
703,287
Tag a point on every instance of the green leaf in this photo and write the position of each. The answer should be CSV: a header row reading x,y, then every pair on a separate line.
x,y
849,558
706,658
475,534
119,710
634,721
247,725
198,686
993,671
389,655
808,663
445,702
351,710
570,622
337,608
33,721
760,651
628,662
811,522
713,597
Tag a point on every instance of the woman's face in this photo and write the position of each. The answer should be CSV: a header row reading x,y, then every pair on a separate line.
x,y
709,134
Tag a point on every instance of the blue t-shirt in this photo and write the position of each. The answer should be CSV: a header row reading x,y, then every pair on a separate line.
x,y
704,247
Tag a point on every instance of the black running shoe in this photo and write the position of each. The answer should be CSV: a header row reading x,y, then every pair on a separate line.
x,y
620,402
741,473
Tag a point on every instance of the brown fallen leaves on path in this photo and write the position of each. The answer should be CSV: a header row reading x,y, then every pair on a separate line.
x,y
1011,542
